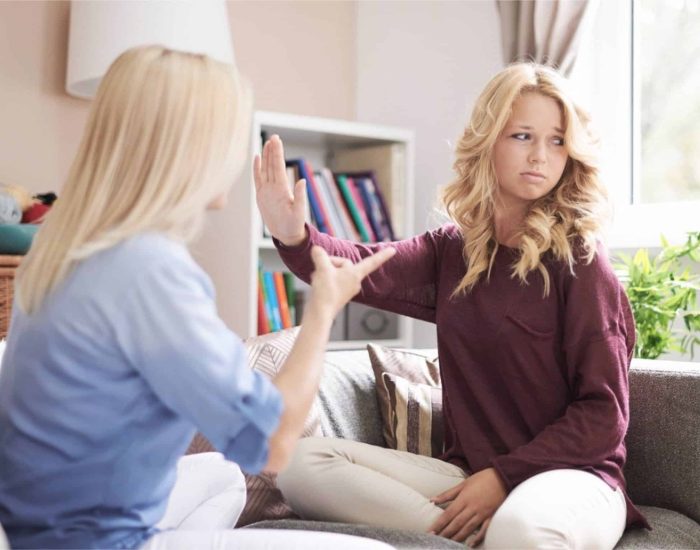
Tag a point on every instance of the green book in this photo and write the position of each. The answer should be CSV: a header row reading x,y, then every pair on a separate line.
x,y
291,295
342,182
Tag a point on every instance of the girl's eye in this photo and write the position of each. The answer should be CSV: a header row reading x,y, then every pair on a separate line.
x,y
558,141
521,136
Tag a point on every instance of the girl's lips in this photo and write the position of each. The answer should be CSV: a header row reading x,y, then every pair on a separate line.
x,y
533,177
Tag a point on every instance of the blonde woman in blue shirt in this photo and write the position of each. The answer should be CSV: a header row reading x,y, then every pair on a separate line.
x,y
116,355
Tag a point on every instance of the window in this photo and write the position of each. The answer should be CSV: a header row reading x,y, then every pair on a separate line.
x,y
639,73
666,70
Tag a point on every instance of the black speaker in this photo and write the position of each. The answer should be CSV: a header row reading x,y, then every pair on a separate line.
x,y
368,323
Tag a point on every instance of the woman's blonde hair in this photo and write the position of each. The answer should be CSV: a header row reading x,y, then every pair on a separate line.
x,y
167,134
568,217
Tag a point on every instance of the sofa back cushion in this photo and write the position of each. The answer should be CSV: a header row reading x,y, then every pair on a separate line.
x,y
663,439
347,399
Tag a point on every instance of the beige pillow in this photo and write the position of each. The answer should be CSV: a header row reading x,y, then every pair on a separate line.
x,y
266,354
410,400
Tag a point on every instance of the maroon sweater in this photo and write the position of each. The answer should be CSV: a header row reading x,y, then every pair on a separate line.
x,y
530,384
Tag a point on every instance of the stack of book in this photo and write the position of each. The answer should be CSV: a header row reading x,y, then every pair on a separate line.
x,y
279,303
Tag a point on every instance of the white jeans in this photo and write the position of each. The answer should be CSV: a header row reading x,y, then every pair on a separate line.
x,y
348,481
205,503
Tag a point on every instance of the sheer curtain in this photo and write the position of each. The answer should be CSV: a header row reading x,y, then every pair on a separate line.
x,y
544,31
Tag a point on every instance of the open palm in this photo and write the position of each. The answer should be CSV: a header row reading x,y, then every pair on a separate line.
x,y
281,208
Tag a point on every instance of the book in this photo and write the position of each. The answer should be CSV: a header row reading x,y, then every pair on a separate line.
x,y
271,294
361,209
316,215
344,186
381,211
291,296
388,162
282,299
343,212
266,301
334,205
372,209
322,204
263,323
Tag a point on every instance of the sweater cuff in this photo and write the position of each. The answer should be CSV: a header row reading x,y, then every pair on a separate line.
x,y
509,485
304,246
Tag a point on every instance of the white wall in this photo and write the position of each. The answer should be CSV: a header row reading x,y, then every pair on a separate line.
x,y
421,65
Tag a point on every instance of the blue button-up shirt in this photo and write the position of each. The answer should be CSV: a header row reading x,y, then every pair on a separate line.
x,y
102,389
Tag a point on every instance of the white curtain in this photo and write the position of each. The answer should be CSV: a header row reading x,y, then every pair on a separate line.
x,y
544,31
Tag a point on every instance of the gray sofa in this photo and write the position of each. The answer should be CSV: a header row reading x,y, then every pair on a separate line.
x,y
663,442
663,466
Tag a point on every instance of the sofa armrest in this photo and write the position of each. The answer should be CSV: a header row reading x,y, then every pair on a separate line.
x,y
663,439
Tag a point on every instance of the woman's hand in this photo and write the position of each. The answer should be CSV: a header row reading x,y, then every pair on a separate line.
x,y
282,211
336,280
474,501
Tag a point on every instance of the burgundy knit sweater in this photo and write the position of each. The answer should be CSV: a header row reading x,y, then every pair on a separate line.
x,y
530,383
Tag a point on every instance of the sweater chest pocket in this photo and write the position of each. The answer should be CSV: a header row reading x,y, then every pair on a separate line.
x,y
540,327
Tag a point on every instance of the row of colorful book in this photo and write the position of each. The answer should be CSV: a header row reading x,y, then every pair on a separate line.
x,y
347,205
280,304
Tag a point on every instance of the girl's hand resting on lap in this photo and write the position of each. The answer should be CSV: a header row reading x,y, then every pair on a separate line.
x,y
281,210
474,502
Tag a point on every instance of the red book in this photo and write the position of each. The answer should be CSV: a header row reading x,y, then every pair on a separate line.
x,y
263,323
282,298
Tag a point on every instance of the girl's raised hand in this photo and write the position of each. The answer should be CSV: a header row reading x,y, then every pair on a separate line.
x,y
282,210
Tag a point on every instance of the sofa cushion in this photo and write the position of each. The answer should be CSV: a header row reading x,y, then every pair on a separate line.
x,y
670,530
410,399
663,446
398,538
348,402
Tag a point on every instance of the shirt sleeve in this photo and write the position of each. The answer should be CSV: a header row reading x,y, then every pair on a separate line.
x,y
598,346
405,284
195,365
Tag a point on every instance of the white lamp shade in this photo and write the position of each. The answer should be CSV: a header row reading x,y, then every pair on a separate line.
x,y
100,31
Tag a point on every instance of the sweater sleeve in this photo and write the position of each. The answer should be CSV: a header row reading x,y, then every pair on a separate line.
x,y
194,364
598,344
406,284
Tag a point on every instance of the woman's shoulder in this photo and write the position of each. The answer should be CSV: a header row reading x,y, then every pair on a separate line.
x,y
591,266
447,232
139,258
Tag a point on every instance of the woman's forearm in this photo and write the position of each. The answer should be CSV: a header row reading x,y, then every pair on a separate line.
x,y
298,381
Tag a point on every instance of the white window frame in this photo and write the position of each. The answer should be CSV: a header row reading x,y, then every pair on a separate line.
x,y
606,76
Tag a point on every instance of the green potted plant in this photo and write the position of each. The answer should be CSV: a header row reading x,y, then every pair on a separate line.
x,y
663,291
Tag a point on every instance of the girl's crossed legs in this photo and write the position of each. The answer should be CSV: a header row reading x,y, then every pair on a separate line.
x,y
348,481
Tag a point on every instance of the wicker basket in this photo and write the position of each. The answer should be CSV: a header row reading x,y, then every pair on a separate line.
x,y
8,268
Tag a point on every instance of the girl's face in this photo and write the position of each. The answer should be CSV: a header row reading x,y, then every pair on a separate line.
x,y
530,155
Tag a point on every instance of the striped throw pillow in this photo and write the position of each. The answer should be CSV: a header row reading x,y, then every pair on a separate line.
x,y
410,400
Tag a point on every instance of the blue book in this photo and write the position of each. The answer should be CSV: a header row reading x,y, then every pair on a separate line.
x,y
271,293
314,203
372,208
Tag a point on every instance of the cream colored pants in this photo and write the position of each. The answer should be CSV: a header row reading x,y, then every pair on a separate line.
x,y
204,505
348,481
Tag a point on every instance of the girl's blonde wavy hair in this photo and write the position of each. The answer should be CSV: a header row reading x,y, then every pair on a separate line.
x,y
570,215
167,134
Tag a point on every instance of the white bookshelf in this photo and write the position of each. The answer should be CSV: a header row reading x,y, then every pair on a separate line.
x,y
314,139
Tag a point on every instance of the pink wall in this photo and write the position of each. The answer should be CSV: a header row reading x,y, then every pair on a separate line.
x,y
300,57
